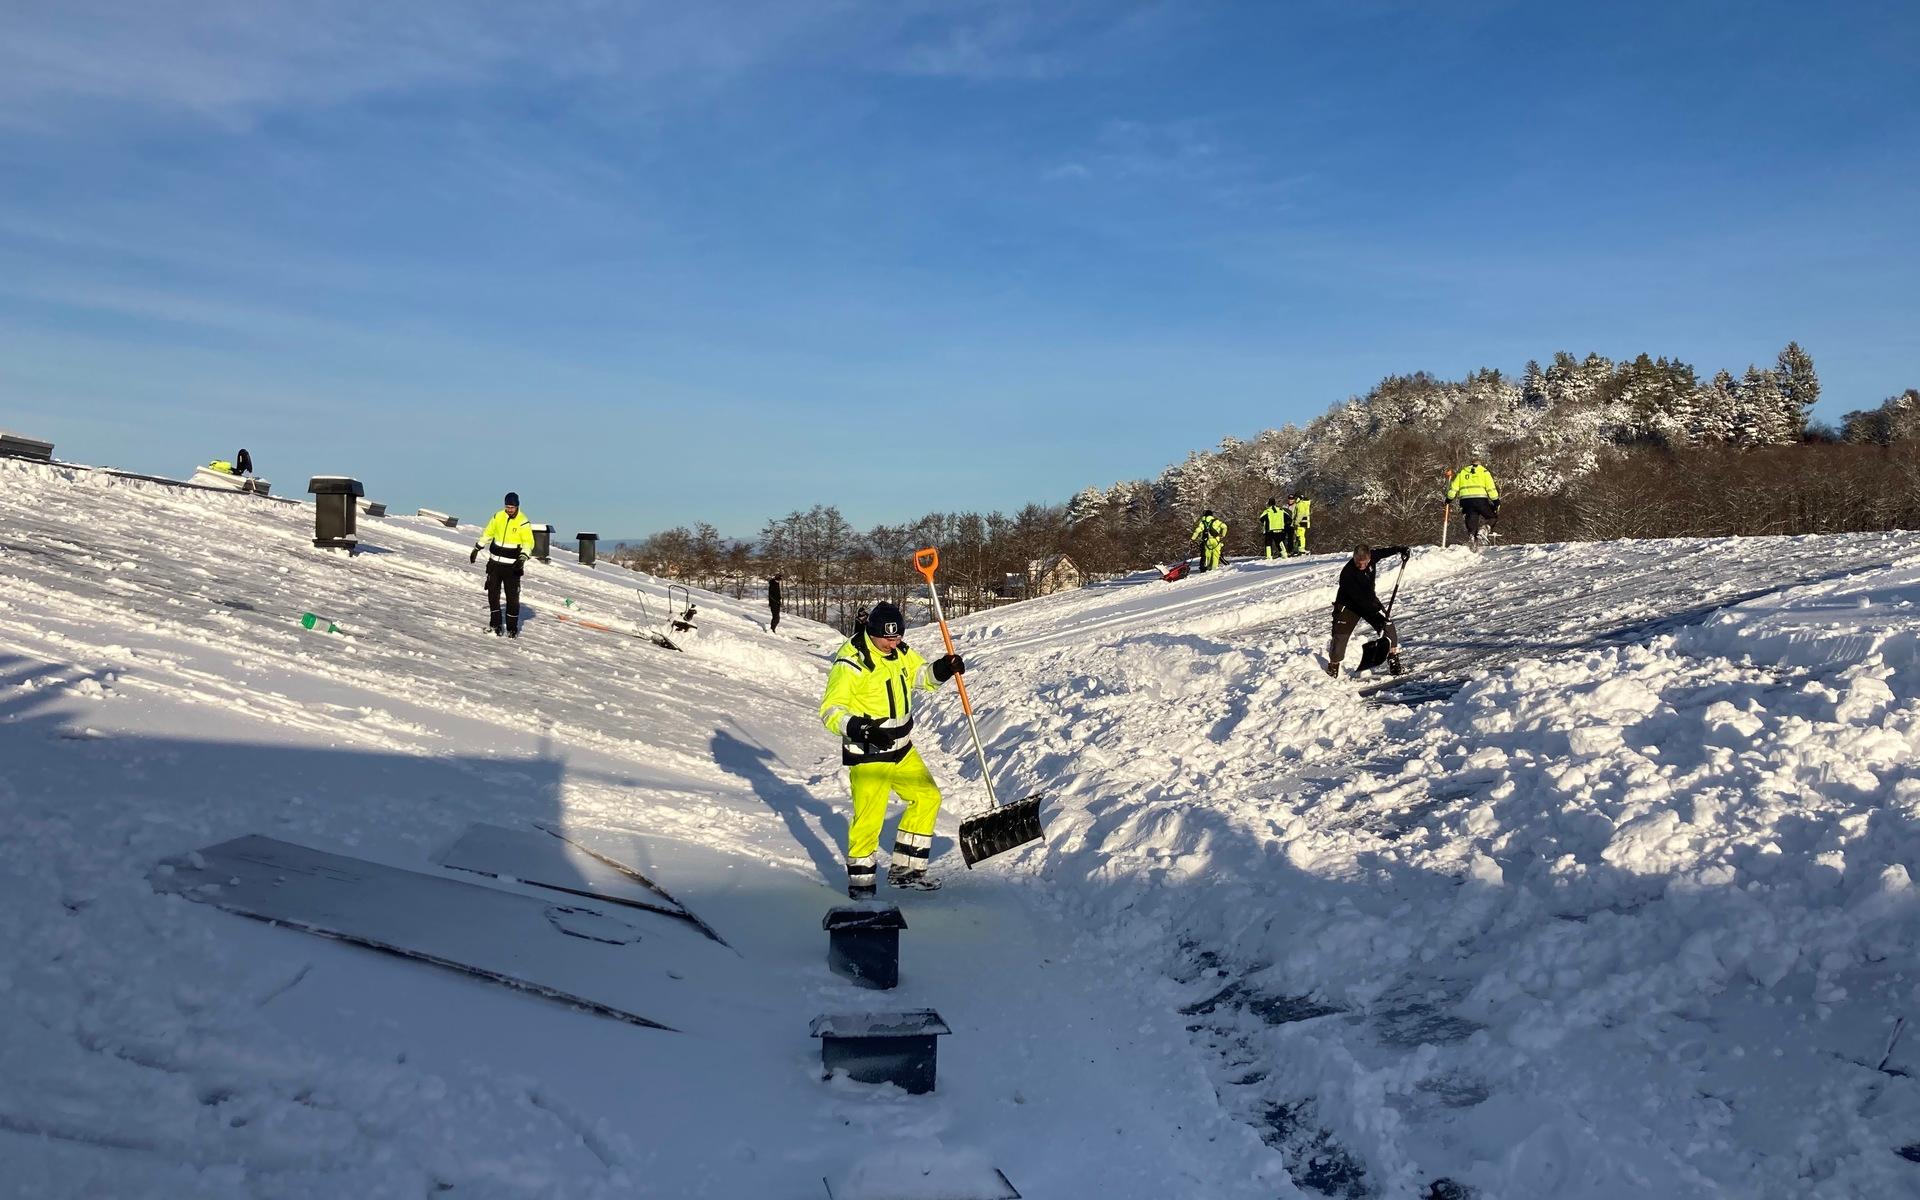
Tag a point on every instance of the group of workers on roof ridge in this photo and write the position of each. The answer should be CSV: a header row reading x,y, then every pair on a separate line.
x,y
1283,528
1284,525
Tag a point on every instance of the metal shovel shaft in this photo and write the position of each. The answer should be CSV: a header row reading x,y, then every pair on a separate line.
x,y
928,561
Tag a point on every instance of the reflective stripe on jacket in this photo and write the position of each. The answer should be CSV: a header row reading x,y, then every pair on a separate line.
x,y
865,683
1471,482
507,540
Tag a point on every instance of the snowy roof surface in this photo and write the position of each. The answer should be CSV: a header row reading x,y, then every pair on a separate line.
x,y
1617,900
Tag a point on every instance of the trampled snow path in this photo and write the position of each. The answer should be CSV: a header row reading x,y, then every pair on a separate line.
x,y
1624,920
158,695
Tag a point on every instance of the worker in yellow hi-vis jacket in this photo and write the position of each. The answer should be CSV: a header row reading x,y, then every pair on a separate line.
x,y
1273,528
1473,487
508,541
1211,533
869,703
1300,510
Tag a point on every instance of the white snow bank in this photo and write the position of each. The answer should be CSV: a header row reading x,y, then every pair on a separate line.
x,y
1629,918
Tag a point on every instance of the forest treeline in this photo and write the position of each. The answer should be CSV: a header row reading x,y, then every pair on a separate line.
x,y
1582,448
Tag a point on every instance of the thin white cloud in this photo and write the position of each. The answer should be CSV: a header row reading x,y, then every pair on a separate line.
x,y
997,45
1192,157
235,60
986,40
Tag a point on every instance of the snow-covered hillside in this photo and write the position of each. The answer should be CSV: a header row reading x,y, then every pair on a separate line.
x,y
1617,903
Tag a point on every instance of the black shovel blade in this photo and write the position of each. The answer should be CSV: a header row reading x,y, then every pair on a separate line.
x,y
1374,653
1001,830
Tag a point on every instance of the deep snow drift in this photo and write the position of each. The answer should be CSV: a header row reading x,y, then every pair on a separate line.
x,y
1631,916
1623,908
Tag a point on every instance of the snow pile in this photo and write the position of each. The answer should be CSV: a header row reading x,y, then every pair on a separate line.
x,y
1631,920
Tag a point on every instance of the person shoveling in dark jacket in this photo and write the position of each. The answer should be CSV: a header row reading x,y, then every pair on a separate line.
x,y
1357,601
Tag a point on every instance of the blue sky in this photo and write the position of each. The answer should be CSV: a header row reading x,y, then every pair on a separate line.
x,y
657,263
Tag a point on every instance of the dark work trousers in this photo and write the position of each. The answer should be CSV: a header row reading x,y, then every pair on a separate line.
x,y
1277,540
504,576
1344,619
774,625
1478,511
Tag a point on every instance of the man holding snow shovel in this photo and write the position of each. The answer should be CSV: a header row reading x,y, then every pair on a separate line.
x,y
1357,601
869,703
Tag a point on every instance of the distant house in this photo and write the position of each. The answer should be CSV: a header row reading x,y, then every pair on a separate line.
x,y
1045,576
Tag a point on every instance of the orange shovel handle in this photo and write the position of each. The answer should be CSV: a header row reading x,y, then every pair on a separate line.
x,y
927,562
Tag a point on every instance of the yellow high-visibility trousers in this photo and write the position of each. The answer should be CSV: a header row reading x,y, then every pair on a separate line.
x,y
872,783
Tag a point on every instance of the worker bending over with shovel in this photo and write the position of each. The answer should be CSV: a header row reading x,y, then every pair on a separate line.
x,y
869,703
1357,601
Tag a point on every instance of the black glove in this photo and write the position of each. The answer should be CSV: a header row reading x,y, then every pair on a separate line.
x,y
475,556
1496,506
1406,552
947,666
869,732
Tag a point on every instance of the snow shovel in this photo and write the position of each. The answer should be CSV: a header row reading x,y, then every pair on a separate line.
x,y
1378,650
1002,827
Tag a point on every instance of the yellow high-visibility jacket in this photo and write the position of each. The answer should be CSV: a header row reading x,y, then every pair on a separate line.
x,y
1274,518
1303,513
507,540
864,682
1213,527
1472,482
221,465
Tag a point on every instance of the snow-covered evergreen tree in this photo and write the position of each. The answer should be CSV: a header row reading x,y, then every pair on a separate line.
x,y
1716,411
1799,386
1088,504
1763,411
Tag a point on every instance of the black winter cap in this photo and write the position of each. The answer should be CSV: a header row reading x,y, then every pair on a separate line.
x,y
885,621
513,498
